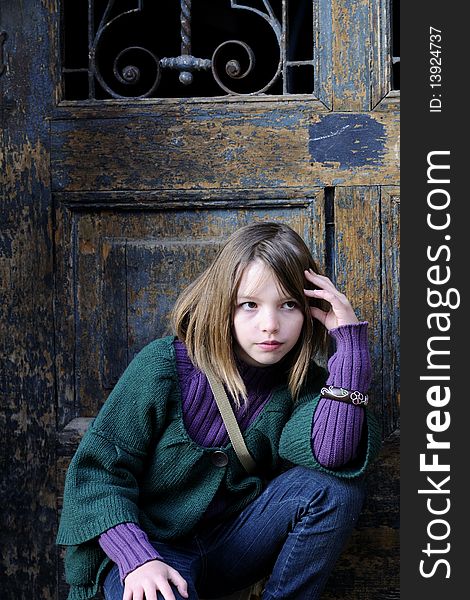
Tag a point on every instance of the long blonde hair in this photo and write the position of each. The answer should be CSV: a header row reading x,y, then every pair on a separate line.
x,y
203,314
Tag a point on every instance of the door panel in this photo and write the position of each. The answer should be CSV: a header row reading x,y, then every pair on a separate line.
x,y
358,264
121,271
366,224
390,318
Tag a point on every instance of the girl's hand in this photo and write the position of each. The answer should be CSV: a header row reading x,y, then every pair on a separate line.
x,y
146,580
341,311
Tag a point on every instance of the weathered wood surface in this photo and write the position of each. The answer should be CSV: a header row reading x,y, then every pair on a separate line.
x,y
240,146
390,295
27,400
366,269
357,267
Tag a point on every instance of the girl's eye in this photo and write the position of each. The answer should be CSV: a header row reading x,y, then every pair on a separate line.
x,y
249,305
290,304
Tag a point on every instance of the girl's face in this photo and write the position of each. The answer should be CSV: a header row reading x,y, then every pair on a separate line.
x,y
267,323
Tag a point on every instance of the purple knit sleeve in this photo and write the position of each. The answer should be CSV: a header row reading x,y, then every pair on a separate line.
x,y
337,426
128,546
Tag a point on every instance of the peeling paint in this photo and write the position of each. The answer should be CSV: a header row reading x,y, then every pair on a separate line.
x,y
349,140
26,164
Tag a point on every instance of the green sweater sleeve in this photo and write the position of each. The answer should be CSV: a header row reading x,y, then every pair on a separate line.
x,y
100,490
101,487
296,442
295,445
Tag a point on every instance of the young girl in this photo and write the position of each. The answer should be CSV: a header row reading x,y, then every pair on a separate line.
x,y
157,504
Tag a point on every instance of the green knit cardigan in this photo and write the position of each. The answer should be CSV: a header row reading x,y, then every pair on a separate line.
x,y
137,463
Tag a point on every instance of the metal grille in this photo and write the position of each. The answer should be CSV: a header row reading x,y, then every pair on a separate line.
x,y
185,48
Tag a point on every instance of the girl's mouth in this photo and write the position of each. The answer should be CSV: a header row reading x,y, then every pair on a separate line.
x,y
269,345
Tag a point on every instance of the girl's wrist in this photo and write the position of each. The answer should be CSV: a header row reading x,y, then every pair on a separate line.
x,y
128,546
347,331
350,367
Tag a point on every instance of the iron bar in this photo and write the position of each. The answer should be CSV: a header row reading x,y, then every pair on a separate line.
x,y
185,77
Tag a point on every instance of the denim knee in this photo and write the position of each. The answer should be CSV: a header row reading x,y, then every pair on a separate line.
x,y
344,495
347,498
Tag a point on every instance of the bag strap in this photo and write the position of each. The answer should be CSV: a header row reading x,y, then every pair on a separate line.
x,y
231,424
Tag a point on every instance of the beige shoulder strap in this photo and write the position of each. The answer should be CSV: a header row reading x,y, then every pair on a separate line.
x,y
231,424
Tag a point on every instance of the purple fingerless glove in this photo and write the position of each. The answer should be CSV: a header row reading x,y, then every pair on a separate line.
x,y
128,546
337,426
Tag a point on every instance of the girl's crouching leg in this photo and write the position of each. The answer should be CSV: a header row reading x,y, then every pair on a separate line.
x,y
326,511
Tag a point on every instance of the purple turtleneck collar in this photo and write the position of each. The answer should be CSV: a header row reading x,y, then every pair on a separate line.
x,y
200,414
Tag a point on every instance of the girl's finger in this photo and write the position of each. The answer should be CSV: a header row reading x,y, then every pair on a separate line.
x,y
308,292
324,283
320,280
127,594
318,293
324,295
151,592
166,591
179,581
319,314
136,594
339,305
319,285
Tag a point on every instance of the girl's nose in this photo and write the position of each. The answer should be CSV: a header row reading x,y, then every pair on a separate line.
x,y
269,322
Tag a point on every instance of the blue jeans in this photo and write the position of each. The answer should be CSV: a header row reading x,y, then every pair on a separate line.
x,y
293,532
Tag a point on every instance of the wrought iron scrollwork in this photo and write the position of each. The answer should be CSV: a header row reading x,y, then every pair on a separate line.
x,y
233,66
129,74
129,63
236,67
134,70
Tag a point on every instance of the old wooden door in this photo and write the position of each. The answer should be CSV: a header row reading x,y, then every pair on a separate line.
x,y
136,138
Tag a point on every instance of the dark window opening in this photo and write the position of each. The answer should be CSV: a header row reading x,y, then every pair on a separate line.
x,y
395,43
145,48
